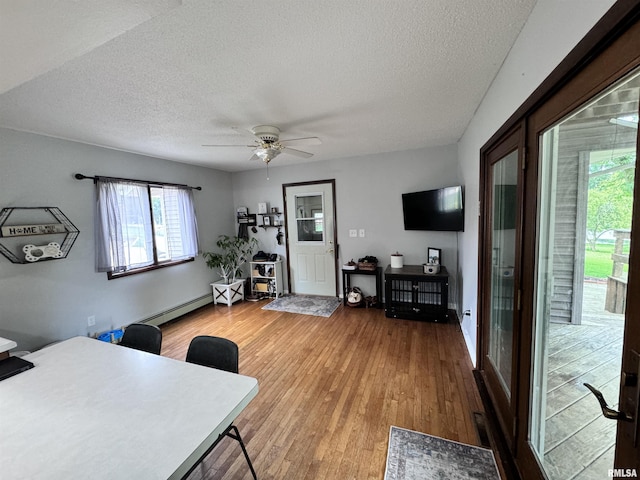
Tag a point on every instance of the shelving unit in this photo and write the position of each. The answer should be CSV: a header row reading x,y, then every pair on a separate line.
x,y
412,294
272,220
47,226
266,278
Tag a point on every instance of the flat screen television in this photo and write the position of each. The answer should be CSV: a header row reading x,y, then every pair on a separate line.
x,y
434,210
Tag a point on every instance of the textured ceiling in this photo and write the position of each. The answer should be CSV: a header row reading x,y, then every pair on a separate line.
x,y
162,78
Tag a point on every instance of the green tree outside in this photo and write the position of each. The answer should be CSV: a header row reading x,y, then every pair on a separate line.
x,y
610,199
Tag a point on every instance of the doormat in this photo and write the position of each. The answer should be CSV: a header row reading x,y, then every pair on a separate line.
x,y
305,305
418,456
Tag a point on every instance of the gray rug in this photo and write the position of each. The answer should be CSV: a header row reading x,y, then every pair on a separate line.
x,y
305,304
418,456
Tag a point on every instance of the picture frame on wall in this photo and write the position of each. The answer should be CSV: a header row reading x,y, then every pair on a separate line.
x,y
242,212
266,221
434,256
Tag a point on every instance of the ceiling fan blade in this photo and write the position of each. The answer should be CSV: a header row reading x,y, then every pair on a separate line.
x,y
297,153
250,146
301,142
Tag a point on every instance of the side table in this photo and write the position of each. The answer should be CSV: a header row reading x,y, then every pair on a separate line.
x,y
346,283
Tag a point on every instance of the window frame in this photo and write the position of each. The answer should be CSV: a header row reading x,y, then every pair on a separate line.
x,y
148,268
157,264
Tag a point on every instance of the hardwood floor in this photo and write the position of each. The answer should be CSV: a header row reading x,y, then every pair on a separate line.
x,y
330,388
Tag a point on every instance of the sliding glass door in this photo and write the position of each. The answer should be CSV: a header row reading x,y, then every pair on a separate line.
x,y
586,189
559,267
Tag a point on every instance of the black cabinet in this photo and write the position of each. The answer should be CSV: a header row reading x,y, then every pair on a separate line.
x,y
410,293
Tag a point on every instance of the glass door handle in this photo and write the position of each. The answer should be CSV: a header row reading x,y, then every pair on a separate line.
x,y
606,411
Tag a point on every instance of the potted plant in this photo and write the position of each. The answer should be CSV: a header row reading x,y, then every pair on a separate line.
x,y
234,253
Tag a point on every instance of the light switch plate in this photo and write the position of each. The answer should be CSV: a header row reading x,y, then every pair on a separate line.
x,y
353,233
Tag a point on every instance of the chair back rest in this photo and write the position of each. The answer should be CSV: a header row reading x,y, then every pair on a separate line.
x,y
215,352
143,336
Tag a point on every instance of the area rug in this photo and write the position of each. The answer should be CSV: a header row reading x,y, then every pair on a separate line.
x,y
418,456
305,304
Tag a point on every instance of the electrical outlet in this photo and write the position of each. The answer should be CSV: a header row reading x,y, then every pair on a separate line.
x,y
353,233
361,233
91,321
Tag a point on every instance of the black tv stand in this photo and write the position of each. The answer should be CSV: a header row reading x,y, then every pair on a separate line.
x,y
412,294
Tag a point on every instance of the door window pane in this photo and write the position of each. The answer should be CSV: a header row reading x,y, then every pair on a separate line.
x,y
587,169
503,243
310,218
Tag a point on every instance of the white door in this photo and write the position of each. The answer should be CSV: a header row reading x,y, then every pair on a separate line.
x,y
310,216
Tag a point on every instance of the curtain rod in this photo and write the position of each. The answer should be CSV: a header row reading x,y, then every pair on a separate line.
x,y
79,176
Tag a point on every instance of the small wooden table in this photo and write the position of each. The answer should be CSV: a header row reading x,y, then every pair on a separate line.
x,y
346,283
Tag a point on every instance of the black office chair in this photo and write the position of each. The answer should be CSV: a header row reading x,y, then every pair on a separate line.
x,y
222,354
143,336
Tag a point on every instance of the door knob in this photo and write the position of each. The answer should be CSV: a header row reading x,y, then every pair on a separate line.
x,y
606,411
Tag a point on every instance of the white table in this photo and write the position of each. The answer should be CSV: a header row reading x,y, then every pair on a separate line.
x,y
5,346
90,409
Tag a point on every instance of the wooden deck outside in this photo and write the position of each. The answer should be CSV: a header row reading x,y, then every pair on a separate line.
x,y
579,441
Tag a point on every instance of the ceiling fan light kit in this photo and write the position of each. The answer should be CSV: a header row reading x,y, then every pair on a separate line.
x,y
267,154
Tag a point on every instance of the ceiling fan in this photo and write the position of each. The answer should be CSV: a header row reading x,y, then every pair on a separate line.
x,y
268,145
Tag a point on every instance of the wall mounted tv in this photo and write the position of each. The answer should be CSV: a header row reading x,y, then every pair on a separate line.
x,y
434,210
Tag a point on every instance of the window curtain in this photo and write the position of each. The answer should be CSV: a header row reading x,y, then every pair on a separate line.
x,y
181,224
123,233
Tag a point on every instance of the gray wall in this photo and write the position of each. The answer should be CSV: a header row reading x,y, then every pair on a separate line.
x,y
45,302
50,301
368,196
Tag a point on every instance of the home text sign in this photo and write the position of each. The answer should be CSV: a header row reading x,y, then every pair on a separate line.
x,y
21,230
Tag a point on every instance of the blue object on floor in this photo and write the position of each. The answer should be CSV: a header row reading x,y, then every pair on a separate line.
x,y
112,336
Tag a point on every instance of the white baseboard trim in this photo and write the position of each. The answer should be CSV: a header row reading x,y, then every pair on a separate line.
x,y
471,346
178,311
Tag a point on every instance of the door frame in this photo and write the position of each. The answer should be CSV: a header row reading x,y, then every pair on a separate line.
x,y
331,182
607,53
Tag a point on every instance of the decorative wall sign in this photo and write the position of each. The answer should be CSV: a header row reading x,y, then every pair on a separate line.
x,y
47,222
21,230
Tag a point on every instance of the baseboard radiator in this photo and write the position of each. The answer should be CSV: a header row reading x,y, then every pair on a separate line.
x,y
175,312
